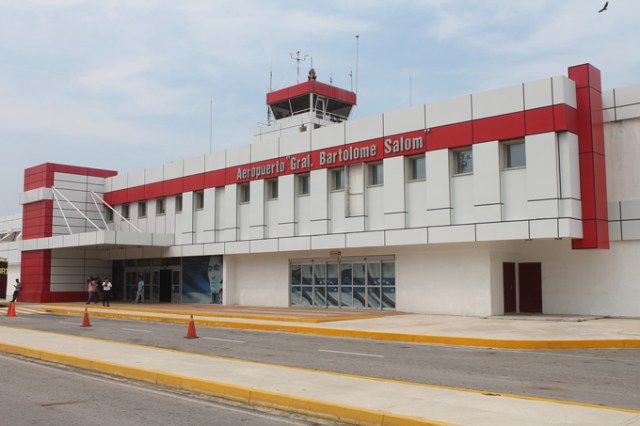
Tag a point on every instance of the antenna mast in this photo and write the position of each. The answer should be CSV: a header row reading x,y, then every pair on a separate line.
x,y
296,57
270,90
357,57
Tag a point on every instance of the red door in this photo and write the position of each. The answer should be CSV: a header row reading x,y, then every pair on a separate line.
x,y
530,279
509,284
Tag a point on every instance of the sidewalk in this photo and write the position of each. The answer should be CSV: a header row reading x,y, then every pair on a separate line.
x,y
341,397
513,332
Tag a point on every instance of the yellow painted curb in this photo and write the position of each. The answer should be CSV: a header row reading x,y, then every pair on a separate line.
x,y
375,335
68,309
305,406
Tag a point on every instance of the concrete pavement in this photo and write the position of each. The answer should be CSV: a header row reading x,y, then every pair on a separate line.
x,y
513,332
348,398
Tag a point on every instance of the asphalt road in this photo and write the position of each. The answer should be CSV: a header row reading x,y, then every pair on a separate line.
x,y
36,393
601,377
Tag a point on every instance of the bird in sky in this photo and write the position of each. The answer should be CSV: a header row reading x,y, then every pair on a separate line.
x,y
604,7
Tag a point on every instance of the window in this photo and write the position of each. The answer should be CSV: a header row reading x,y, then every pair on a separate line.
x,y
514,156
303,184
142,209
108,214
198,200
376,174
244,193
272,189
417,169
125,211
337,179
178,203
160,206
463,161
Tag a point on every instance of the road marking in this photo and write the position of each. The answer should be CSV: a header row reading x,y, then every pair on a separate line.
x,y
351,353
135,329
224,340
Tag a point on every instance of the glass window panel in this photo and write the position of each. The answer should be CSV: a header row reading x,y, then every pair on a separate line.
x,y
376,174
359,297
358,274
389,297
332,274
388,273
337,179
319,296
176,278
346,274
295,275
307,274
307,296
319,271
272,189
296,296
417,169
332,296
516,155
464,161
373,300
373,273
346,297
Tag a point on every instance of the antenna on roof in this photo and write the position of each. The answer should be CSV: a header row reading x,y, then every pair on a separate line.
x,y
357,57
298,59
270,90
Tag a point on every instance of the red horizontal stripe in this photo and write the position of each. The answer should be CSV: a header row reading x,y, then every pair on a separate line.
x,y
509,126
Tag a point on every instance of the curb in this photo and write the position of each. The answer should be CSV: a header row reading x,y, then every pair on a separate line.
x,y
316,408
374,335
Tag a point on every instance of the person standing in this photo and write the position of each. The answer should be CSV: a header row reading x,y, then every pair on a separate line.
x,y
140,294
106,292
16,290
91,288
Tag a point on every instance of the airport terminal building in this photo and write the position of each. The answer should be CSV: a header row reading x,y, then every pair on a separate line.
x,y
519,199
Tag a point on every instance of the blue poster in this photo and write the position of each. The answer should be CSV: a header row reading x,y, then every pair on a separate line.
x,y
202,279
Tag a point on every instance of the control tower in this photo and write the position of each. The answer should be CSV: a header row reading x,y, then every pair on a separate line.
x,y
307,105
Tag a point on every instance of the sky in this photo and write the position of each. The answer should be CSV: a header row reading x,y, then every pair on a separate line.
x,y
126,85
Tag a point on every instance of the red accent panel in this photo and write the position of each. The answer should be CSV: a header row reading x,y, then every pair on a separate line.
x,y
41,176
565,118
539,120
587,186
193,182
450,136
153,190
116,197
311,87
597,121
599,174
585,141
135,194
172,186
508,126
593,179
35,273
214,179
37,219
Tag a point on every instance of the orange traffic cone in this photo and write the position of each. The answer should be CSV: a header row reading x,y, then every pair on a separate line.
x,y
191,331
11,312
85,320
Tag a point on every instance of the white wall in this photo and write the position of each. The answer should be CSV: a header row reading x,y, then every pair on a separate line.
x,y
587,282
444,279
259,279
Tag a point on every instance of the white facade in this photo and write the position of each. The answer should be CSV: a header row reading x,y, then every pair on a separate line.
x,y
449,191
